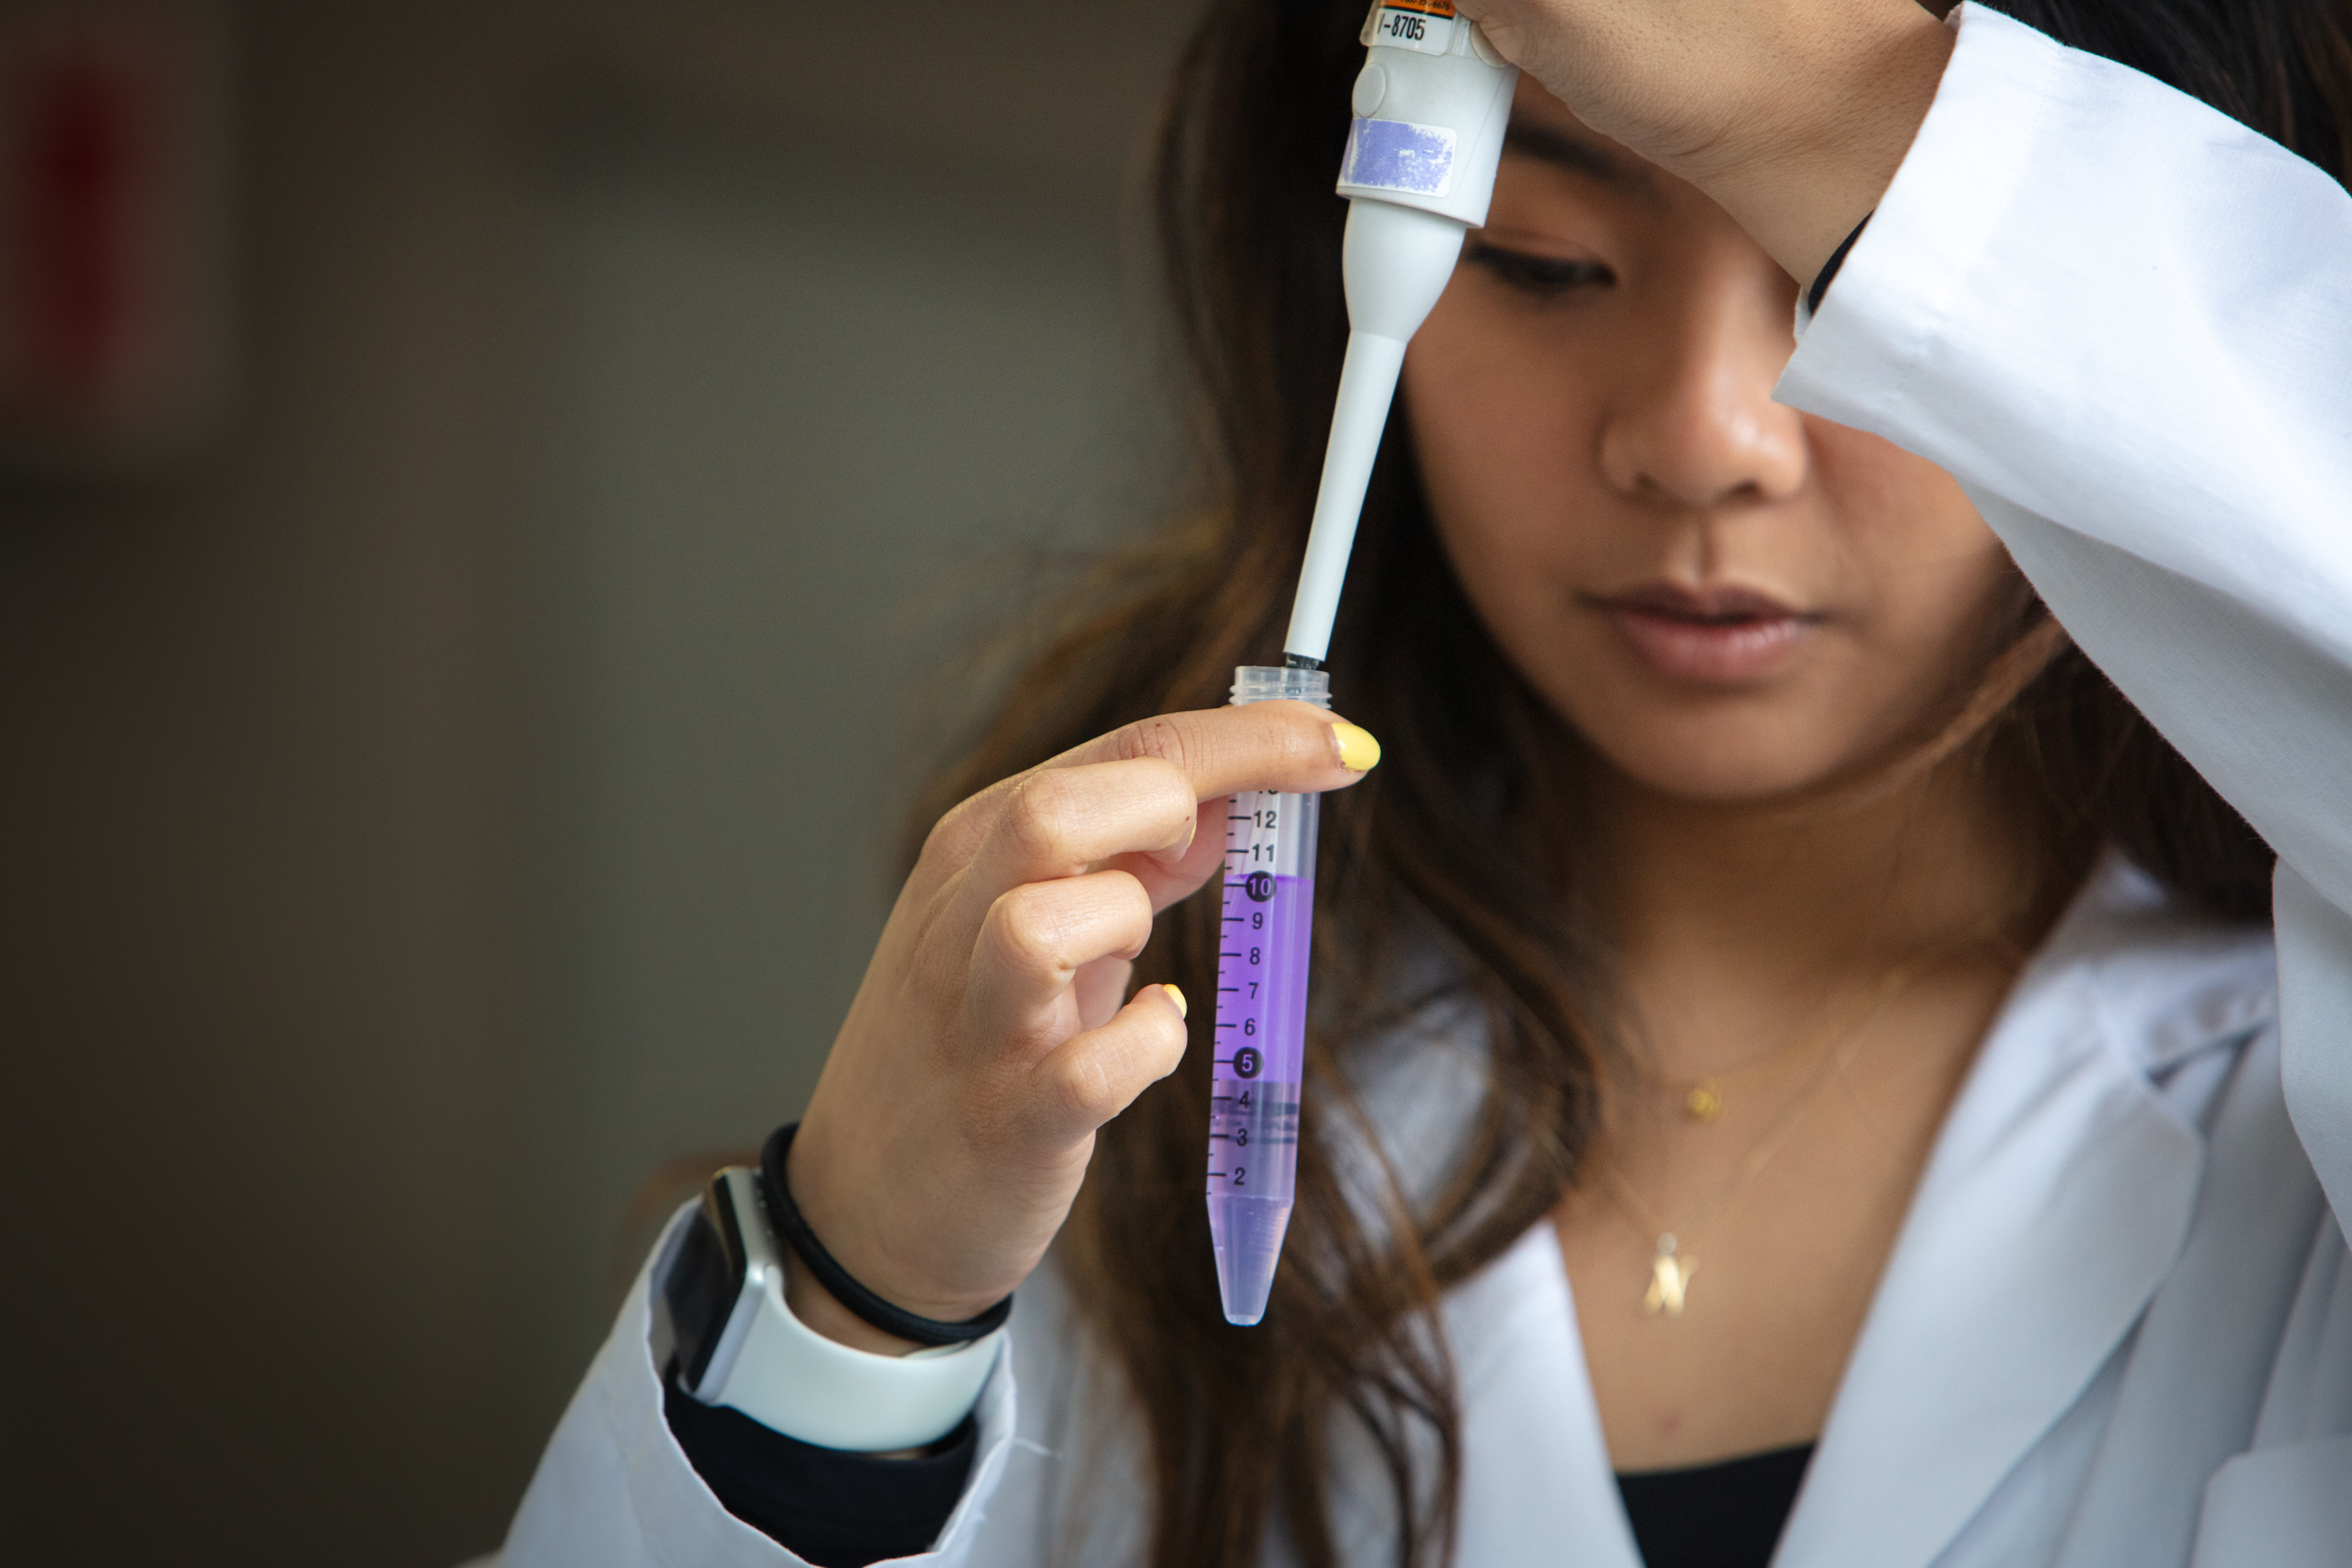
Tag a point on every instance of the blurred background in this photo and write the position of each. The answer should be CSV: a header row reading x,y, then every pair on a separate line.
x,y
493,496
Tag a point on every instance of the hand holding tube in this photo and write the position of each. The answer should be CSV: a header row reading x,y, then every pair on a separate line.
x,y
956,1114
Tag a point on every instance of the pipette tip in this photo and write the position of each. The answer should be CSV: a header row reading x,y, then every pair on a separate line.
x,y
1249,1237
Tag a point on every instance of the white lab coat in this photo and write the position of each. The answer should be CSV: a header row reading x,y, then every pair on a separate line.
x,y
2117,1329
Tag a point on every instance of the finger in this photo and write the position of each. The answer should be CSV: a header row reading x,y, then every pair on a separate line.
x,y
1036,824
1035,939
1286,746
1060,822
1057,825
1169,878
1099,987
1094,1076
1131,798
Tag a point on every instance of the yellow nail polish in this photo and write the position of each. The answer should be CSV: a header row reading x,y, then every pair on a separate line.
x,y
1183,1008
1358,752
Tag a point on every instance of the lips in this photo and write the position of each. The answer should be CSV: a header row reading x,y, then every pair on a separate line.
x,y
1708,636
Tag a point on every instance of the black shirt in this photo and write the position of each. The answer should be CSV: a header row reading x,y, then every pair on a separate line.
x,y
1727,1515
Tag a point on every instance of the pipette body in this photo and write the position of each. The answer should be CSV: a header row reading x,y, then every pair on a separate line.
x,y
1430,107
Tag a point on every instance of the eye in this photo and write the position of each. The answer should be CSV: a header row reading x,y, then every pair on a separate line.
x,y
1538,277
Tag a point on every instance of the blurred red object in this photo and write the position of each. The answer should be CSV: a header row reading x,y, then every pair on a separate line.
x,y
113,307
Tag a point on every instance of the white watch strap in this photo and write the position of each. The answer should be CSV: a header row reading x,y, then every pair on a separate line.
x,y
790,1379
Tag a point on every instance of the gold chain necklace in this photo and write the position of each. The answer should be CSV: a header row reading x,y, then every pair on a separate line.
x,y
1702,1098
1672,1266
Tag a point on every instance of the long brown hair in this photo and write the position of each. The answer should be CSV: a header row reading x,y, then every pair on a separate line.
x,y
1465,842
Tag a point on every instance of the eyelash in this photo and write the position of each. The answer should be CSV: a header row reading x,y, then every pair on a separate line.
x,y
1542,276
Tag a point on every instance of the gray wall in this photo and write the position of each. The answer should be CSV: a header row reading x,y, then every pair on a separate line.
x,y
471,785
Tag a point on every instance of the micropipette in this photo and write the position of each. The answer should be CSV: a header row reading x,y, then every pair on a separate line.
x,y
1430,107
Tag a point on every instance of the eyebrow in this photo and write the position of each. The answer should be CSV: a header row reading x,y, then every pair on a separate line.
x,y
1562,150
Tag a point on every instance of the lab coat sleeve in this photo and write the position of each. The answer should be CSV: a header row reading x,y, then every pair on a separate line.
x,y
614,1490
2124,323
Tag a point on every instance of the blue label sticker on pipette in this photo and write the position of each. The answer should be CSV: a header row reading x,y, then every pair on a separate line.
x,y
1396,155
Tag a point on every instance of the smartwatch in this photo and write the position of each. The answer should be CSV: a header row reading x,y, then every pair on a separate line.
x,y
721,1287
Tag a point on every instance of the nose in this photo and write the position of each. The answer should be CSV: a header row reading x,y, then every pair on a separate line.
x,y
1697,426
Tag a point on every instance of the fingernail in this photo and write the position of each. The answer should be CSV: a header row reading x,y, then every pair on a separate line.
x,y
1183,1008
1358,752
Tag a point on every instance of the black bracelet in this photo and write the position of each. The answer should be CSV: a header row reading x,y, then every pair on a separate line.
x,y
1821,288
785,1216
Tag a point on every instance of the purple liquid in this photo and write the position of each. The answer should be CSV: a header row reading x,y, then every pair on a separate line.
x,y
1268,929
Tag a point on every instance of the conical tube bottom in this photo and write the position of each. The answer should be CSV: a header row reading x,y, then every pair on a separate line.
x,y
1249,1237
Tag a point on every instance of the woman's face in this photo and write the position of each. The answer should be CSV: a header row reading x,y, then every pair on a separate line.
x,y
1729,599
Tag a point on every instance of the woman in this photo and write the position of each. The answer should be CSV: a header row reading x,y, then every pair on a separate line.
x,y
1784,1020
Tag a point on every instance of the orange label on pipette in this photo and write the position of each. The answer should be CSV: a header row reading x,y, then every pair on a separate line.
x,y
1426,7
